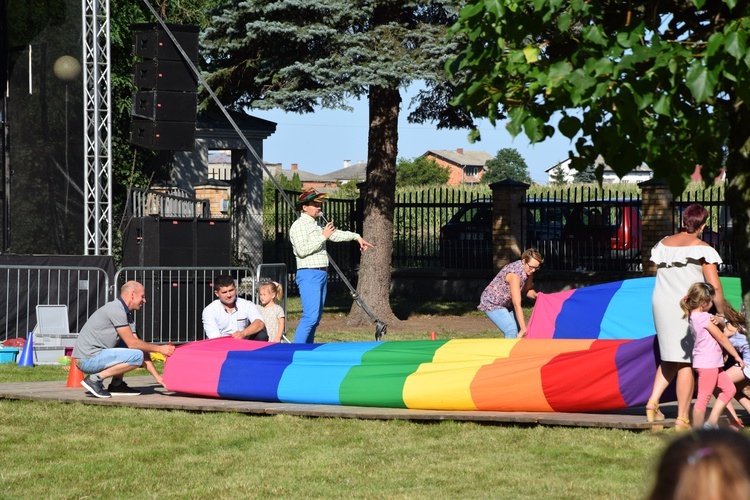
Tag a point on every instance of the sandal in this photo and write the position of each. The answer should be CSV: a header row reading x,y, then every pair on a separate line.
x,y
653,414
682,424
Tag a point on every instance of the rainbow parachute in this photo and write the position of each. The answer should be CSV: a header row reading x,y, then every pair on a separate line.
x,y
462,374
612,369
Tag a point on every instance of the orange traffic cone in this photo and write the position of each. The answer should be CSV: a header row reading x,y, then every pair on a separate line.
x,y
75,376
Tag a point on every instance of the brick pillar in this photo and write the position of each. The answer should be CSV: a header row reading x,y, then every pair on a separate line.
x,y
657,219
507,222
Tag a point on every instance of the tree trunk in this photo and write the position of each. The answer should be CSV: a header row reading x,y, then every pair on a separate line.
x,y
738,193
378,204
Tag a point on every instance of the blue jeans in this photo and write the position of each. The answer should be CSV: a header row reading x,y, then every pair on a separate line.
x,y
111,357
313,285
505,320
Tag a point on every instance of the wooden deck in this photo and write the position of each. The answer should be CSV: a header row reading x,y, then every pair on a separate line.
x,y
155,397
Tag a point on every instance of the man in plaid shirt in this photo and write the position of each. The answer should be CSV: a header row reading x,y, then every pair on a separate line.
x,y
309,246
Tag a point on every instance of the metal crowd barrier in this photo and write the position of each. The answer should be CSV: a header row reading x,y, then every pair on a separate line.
x,y
82,289
175,298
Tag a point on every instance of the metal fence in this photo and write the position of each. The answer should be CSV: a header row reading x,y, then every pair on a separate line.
x,y
82,289
278,217
575,228
176,203
419,218
176,297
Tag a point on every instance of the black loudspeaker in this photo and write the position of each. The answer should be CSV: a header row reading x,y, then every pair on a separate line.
x,y
161,135
155,241
213,243
152,42
164,118
166,75
164,105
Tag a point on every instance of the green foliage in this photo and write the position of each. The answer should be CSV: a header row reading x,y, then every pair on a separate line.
x,y
658,84
347,190
586,175
507,164
420,171
558,176
287,184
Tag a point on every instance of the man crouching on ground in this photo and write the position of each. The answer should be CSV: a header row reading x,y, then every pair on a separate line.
x,y
107,345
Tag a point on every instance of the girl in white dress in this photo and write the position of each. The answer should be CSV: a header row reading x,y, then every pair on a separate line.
x,y
270,294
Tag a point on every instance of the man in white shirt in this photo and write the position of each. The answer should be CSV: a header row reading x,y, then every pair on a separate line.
x,y
231,316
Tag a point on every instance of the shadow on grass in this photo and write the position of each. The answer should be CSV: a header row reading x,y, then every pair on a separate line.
x,y
405,307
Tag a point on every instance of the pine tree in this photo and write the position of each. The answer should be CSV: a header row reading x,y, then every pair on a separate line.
x,y
302,55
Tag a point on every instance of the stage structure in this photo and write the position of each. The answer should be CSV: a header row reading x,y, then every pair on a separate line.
x,y
97,128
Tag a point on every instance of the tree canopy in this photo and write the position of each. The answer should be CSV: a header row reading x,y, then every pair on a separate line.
x,y
507,164
666,83
299,56
420,171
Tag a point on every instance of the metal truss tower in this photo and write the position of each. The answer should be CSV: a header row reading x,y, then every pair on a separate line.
x,y
97,123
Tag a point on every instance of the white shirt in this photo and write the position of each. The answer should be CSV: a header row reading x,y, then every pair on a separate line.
x,y
218,322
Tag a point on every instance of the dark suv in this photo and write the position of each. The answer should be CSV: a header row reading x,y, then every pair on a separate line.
x,y
466,239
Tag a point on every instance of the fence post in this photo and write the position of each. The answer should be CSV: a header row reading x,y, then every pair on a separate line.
x,y
507,221
657,219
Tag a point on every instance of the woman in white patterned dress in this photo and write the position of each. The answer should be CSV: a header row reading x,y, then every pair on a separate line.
x,y
681,259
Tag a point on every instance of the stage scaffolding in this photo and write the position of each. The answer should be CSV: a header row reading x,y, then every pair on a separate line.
x,y
97,127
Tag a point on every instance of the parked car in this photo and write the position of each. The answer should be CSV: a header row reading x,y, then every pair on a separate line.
x,y
466,239
603,234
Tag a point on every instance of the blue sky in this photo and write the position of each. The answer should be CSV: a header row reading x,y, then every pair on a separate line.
x,y
320,142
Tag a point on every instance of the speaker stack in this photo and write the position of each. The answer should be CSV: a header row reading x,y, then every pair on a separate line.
x,y
164,108
156,241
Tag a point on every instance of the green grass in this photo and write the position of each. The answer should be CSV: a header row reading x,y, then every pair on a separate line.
x,y
75,450
55,450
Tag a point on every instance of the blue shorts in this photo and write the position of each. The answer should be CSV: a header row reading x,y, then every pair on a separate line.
x,y
110,357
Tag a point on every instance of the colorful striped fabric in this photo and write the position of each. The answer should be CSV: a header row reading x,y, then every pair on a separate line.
x,y
617,310
462,374
590,349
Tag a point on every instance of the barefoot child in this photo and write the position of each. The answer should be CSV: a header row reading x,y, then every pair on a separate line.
x,y
273,314
708,358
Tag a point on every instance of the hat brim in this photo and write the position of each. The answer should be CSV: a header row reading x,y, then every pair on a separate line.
x,y
314,197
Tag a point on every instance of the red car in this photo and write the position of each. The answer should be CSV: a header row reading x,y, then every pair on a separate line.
x,y
603,234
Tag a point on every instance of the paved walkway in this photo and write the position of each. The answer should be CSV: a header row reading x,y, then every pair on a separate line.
x,y
155,397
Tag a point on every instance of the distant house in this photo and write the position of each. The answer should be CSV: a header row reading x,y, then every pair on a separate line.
x,y
638,174
309,180
467,167
220,165
350,173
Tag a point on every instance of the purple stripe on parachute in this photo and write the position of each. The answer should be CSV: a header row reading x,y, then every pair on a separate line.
x,y
636,363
